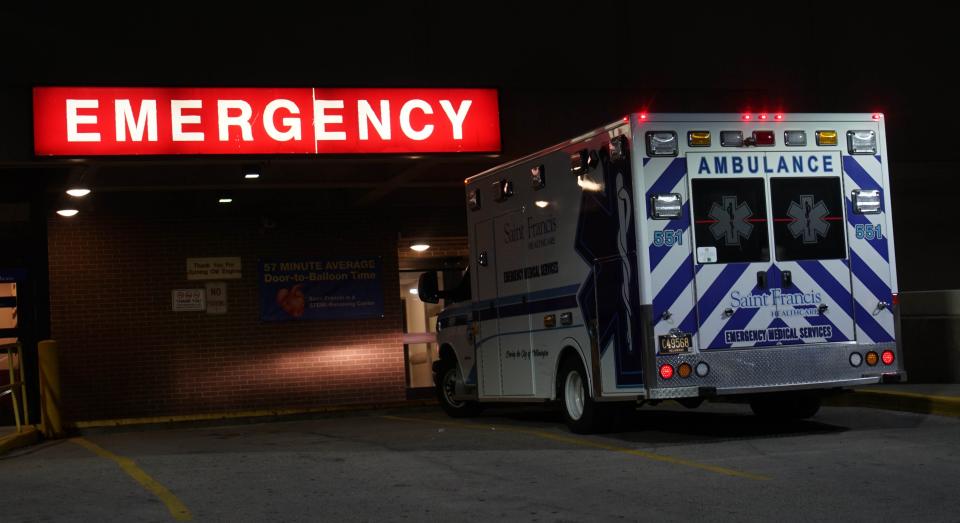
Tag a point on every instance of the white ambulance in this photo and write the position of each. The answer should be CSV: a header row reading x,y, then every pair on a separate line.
x,y
677,256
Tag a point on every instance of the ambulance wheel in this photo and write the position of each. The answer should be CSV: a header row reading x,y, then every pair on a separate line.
x,y
582,414
446,388
786,406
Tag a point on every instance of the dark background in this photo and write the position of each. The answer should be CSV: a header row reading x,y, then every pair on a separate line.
x,y
561,68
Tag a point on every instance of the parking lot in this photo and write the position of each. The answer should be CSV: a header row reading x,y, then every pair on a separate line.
x,y
520,463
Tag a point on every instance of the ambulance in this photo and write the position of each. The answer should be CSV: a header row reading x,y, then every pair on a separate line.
x,y
747,257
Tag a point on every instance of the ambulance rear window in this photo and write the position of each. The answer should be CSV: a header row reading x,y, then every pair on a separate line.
x,y
807,218
730,219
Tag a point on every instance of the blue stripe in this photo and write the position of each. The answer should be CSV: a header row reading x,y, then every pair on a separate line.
x,y
870,326
858,174
711,298
683,222
839,293
739,320
646,161
669,179
861,316
879,245
556,292
869,279
672,289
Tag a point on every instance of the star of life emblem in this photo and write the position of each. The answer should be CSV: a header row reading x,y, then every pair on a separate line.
x,y
731,220
809,219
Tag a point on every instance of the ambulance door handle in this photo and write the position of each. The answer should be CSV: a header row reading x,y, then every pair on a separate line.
x,y
787,279
482,259
762,279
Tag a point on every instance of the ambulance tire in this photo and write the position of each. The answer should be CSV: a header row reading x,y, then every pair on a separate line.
x,y
448,374
581,413
786,406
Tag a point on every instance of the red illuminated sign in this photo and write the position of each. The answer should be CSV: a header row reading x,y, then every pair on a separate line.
x,y
105,121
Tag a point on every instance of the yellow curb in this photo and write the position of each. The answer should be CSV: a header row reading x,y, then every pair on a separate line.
x,y
262,413
28,436
900,400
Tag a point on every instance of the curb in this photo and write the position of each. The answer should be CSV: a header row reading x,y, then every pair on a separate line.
x,y
902,401
27,437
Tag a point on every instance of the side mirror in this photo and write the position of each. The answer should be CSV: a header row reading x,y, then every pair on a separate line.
x,y
427,289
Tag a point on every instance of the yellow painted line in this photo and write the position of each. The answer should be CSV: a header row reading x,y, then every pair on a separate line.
x,y
583,442
912,395
177,509
263,413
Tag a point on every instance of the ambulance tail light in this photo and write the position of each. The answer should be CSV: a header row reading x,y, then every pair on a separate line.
x,y
872,358
684,370
865,201
862,142
887,357
666,371
895,300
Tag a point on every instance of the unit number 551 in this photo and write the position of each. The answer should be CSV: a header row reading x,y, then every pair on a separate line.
x,y
868,231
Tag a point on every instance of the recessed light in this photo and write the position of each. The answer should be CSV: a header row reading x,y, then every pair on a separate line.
x,y
67,212
251,176
78,192
420,247
225,200
541,204
414,290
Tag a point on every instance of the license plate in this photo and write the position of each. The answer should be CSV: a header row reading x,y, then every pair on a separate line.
x,y
675,344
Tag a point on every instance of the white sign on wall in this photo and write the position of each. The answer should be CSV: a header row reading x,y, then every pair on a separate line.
x,y
227,268
188,300
217,297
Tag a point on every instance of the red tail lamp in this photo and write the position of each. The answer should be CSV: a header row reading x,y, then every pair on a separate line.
x,y
666,371
887,357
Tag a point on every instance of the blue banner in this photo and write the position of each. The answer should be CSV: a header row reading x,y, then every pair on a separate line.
x,y
321,289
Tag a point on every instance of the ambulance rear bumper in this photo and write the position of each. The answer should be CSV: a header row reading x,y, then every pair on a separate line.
x,y
772,369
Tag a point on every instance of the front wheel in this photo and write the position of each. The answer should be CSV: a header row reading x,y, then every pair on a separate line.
x,y
582,414
446,389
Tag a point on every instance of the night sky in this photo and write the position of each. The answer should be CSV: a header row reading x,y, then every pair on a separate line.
x,y
561,67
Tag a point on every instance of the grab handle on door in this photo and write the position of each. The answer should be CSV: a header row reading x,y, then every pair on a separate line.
x,y
762,279
787,279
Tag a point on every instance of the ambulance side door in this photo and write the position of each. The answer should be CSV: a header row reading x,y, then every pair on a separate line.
x,y
487,332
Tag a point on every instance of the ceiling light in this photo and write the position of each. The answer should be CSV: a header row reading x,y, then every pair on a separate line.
x,y
67,212
251,176
225,200
541,204
414,291
78,192
420,247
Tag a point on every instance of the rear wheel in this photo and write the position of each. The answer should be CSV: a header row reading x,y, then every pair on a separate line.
x,y
582,414
786,406
446,389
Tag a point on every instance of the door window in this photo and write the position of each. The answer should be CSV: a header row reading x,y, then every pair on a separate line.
x,y
807,218
730,220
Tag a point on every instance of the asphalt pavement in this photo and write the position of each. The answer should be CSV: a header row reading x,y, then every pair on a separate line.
x,y
715,463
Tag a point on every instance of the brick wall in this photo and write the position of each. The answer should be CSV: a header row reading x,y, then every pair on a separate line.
x,y
124,353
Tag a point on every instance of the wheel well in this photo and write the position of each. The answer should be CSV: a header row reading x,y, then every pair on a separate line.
x,y
566,354
447,353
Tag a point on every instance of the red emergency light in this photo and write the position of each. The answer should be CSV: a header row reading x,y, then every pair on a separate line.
x,y
746,117
887,357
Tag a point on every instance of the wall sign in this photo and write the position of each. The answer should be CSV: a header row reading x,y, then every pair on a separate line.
x,y
105,121
188,300
213,268
321,289
216,297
